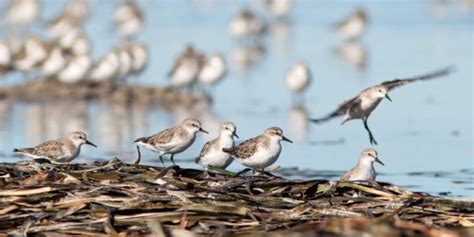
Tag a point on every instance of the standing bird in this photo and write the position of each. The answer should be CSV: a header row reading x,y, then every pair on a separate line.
x,y
353,26
76,69
172,140
362,105
55,61
139,56
61,150
213,70
212,153
186,68
298,77
5,58
22,12
107,68
364,170
128,19
259,152
246,24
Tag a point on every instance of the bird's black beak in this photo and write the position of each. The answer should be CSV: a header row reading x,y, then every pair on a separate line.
x,y
379,161
204,131
90,143
235,135
286,139
388,97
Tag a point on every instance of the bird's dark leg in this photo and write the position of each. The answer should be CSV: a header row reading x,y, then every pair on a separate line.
x,y
139,156
172,156
162,162
243,171
371,137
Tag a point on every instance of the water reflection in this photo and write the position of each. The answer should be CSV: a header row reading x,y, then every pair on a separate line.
x,y
298,122
353,53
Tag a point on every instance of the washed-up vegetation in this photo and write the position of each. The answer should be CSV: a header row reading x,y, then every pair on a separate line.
x,y
119,199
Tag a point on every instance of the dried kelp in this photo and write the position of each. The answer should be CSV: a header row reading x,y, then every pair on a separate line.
x,y
118,199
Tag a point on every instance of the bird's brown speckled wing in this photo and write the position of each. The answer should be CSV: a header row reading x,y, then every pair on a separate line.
x,y
245,149
398,82
347,175
164,136
50,149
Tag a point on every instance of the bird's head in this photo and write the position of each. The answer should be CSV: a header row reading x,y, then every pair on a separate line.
x,y
381,92
79,138
192,125
229,129
370,155
277,134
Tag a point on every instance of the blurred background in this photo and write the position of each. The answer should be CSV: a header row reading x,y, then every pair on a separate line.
x,y
424,135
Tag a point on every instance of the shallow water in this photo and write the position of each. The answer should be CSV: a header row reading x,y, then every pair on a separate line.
x,y
424,135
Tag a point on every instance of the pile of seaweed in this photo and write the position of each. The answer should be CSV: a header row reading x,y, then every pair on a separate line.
x,y
50,89
119,199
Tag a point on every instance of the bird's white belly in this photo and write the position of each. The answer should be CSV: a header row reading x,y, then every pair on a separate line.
x,y
353,29
216,158
262,158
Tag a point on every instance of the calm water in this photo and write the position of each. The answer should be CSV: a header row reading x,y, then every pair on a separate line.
x,y
425,135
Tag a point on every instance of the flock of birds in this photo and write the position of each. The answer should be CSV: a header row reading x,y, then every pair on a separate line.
x,y
67,57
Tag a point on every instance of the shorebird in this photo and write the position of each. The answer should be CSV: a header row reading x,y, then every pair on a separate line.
x,y
5,58
31,54
246,24
139,55
364,170
278,8
353,26
125,62
61,150
106,68
54,62
298,77
76,69
21,12
212,153
362,105
172,140
259,152
213,70
128,19
186,68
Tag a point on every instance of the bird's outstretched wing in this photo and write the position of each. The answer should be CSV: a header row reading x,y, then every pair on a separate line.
x,y
398,82
343,108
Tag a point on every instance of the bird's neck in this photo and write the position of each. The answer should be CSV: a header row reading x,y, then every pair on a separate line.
x,y
225,140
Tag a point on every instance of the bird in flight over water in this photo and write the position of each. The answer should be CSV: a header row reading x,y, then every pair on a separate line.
x,y
362,105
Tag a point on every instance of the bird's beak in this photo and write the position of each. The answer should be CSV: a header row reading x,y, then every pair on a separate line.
x,y
204,131
90,143
379,161
235,135
286,139
388,97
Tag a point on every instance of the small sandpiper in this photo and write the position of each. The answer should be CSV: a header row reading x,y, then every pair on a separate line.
x,y
212,153
364,170
106,69
172,140
139,56
298,77
32,53
246,24
22,12
259,152
5,58
58,151
186,68
128,19
55,61
362,105
76,69
278,8
213,70
353,26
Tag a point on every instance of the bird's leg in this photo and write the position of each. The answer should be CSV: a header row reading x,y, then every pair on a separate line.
x,y
161,159
172,156
243,171
139,156
371,137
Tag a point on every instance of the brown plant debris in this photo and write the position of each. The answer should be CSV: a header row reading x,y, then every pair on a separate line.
x,y
118,199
